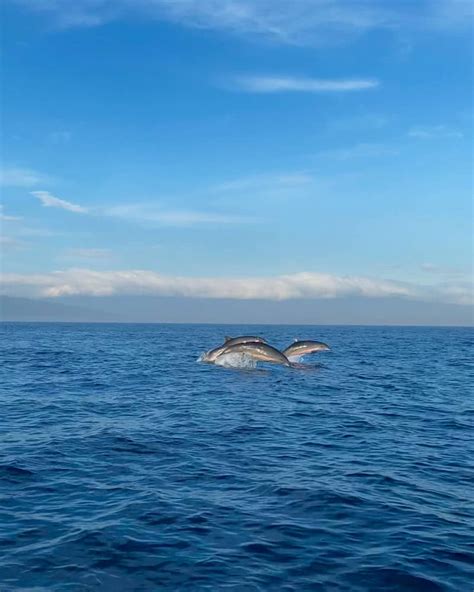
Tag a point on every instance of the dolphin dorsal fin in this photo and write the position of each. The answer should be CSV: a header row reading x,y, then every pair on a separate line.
x,y
227,338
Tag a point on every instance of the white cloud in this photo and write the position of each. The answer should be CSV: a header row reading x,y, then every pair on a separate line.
x,y
154,214
274,84
22,177
283,21
434,132
4,217
283,287
50,201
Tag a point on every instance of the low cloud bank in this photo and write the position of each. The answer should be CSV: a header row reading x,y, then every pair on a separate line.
x,y
302,285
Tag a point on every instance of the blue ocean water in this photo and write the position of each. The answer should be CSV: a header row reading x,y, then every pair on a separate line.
x,y
125,465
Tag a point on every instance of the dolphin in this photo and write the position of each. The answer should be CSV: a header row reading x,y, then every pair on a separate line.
x,y
303,348
258,351
211,355
243,339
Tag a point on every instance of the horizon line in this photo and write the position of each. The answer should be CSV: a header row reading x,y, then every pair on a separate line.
x,y
447,326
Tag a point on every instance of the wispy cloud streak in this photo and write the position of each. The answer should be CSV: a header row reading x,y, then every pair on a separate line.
x,y
10,243
434,132
275,84
154,214
50,201
282,21
362,150
11,176
81,253
265,182
6,218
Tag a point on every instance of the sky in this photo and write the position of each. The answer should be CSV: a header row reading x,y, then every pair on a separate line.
x,y
251,150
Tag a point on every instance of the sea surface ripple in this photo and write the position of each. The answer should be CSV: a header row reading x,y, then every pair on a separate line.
x,y
125,465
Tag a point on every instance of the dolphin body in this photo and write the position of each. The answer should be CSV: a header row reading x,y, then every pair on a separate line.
x,y
303,348
212,355
262,352
243,339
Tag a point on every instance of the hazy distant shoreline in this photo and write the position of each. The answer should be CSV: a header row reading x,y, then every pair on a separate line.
x,y
146,309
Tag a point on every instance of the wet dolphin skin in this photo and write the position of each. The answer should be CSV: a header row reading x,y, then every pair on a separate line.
x,y
258,351
303,348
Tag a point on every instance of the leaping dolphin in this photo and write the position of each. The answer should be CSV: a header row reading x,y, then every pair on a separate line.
x,y
243,339
213,354
303,348
259,351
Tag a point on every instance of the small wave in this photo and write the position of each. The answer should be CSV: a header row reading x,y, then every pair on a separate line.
x,y
14,472
147,471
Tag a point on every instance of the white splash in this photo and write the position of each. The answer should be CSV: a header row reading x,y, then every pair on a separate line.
x,y
295,359
236,360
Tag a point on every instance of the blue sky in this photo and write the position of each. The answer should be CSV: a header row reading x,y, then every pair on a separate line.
x,y
272,150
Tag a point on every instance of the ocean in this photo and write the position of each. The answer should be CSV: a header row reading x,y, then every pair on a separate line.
x,y
126,465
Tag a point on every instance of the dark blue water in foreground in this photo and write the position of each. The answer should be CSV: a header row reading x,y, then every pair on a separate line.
x,y
127,466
